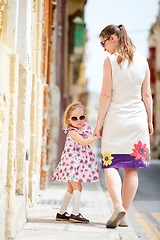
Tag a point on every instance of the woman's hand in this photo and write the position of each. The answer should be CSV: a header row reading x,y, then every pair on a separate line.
x,y
98,131
150,128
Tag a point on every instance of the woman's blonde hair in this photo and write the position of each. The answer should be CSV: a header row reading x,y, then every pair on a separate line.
x,y
126,48
67,112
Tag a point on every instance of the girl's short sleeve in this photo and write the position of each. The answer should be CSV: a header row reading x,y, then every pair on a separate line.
x,y
72,128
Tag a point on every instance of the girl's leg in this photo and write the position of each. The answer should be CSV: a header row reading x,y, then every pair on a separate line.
x,y
114,184
77,188
76,216
66,199
130,185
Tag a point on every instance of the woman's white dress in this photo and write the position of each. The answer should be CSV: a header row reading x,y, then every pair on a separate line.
x,y
125,138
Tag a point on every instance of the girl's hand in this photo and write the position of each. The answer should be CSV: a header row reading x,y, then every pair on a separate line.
x,y
98,131
96,137
150,128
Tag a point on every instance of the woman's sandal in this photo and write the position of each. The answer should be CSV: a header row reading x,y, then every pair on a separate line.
x,y
123,222
116,217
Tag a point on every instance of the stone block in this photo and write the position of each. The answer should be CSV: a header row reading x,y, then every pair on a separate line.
x,y
4,68
2,216
14,73
34,80
16,217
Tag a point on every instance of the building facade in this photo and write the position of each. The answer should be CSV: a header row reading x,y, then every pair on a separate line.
x,y
36,79
154,64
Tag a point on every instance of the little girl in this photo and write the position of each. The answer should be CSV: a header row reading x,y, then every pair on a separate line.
x,y
77,162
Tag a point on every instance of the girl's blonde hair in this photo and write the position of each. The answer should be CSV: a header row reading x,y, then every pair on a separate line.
x,y
126,47
67,112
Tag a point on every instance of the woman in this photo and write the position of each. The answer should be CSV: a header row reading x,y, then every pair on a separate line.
x,y
124,119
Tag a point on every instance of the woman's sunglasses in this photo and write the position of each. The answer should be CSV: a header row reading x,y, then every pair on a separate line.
x,y
103,43
74,119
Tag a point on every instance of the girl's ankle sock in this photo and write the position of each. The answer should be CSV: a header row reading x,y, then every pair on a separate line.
x,y
65,202
76,202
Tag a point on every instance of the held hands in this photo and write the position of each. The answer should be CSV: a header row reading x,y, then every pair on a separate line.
x,y
150,128
98,131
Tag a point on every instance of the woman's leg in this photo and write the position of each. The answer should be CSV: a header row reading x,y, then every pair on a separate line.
x,y
130,185
66,199
114,184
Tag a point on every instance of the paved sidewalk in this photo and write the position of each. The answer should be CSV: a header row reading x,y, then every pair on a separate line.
x,y
95,205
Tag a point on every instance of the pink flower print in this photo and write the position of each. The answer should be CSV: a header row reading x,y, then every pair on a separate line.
x,y
63,163
65,169
71,168
95,178
80,180
89,165
81,161
93,172
139,151
86,161
67,174
77,149
70,155
88,180
84,175
72,162
68,150
70,145
77,173
81,170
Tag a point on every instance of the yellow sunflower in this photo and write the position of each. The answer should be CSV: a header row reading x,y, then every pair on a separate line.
x,y
107,158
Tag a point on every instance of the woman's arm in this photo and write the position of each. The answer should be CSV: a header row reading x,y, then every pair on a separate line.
x,y
147,99
105,96
83,141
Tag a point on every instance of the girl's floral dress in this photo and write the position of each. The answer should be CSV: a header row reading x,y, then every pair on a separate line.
x,y
78,163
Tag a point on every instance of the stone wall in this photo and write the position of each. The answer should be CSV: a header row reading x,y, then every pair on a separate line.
x,y
4,123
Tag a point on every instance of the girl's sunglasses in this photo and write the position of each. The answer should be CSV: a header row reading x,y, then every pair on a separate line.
x,y
74,119
103,43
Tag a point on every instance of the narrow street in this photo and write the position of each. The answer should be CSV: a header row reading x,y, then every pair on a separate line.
x,y
52,55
